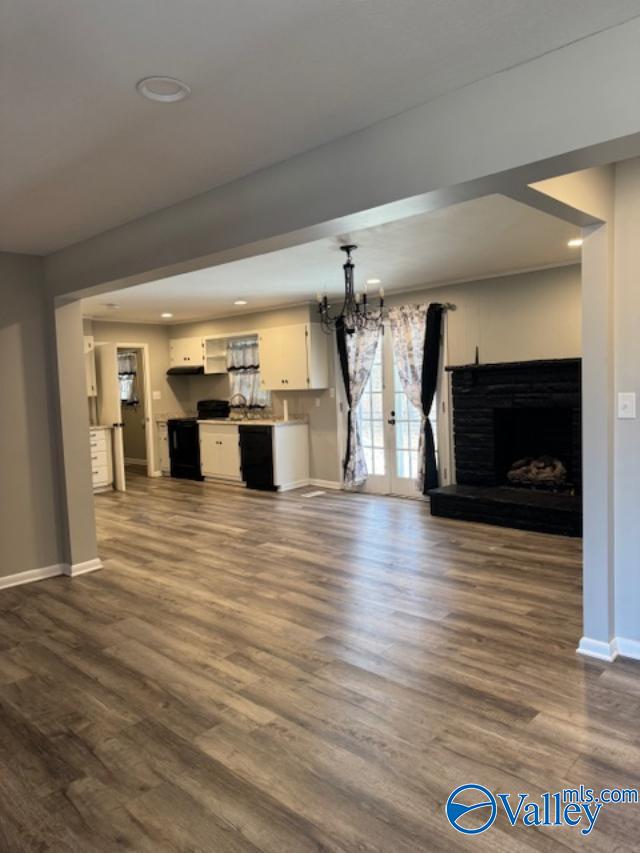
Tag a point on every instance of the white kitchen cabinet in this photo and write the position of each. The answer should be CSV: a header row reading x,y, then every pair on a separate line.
x,y
186,352
294,358
101,458
163,442
220,451
90,366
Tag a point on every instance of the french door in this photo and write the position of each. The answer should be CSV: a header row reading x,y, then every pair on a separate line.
x,y
390,428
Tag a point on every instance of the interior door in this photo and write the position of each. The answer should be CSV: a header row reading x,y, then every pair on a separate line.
x,y
109,406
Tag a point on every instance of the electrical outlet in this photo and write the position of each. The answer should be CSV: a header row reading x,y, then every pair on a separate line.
x,y
317,402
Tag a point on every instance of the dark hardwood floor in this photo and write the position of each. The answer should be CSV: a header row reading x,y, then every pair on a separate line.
x,y
259,672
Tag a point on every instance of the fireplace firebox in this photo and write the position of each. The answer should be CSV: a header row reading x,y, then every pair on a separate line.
x,y
536,433
517,442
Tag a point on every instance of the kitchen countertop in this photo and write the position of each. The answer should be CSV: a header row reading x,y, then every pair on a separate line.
x,y
254,421
162,419
100,426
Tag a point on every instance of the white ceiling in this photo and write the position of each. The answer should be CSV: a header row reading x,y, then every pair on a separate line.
x,y
81,152
488,236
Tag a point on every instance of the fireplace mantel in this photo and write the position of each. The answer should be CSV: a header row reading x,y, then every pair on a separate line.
x,y
541,364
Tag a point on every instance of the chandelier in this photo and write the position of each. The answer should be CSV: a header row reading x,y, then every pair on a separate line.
x,y
355,312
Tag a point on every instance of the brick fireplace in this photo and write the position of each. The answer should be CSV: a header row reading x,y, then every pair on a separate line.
x,y
512,414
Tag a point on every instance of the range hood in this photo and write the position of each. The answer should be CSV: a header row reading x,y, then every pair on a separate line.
x,y
188,370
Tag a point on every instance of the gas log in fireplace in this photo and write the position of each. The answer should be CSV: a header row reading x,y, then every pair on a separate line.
x,y
517,428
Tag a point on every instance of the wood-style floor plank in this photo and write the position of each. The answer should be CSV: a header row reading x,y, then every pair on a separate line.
x,y
260,672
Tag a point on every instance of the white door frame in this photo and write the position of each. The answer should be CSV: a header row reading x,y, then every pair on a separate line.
x,y
149,425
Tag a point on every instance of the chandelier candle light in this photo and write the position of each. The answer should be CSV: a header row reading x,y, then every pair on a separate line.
x,y
354,313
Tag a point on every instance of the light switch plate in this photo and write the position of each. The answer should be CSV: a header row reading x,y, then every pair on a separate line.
x,y
157,395
627,404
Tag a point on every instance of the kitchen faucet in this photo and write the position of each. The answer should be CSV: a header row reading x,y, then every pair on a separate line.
x,y
243,404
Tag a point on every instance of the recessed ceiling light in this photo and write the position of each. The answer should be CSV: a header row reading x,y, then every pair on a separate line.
x,y
164,89
373,281
166,315
575,243
240,302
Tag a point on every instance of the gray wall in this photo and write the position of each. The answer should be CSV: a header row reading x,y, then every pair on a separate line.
x,y
627,378
30,521
510,318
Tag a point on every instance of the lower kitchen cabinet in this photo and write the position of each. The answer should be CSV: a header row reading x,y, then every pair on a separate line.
x,y
264,455
220,451
275,457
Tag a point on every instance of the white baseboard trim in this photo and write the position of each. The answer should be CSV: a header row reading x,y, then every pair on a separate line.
x,y
618,647
129,461
32,575
296,484
628,648
598,649
157,474
326,484
83,568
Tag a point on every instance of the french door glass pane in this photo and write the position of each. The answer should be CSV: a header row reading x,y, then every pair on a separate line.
x,y
371,419
407,431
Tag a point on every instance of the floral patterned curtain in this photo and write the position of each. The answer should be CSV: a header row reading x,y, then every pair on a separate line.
x,y
408,324
361,349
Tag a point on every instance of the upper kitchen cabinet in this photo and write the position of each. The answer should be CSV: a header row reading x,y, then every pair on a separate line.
x,y
215,355
90,366
186,352
294,358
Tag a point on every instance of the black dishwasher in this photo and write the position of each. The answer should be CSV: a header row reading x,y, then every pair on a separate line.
x,y
184,448
256,455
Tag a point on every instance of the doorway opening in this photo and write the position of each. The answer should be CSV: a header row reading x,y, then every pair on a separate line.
x,y
133,405
122,404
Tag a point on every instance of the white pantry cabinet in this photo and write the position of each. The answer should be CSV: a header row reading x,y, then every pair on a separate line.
x,y
186,352
220,451
101,458
294,358
90,366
